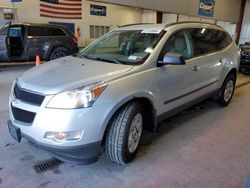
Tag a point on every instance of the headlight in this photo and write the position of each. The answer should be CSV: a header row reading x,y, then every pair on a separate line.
x,y
60,137
243,52
78,98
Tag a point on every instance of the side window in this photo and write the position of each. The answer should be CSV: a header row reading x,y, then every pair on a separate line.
x,y
180,42
15,31
223,40
37,31
209,40
56,32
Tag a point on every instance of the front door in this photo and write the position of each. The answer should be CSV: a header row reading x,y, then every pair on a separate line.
x,y
15,42
178,84
37,37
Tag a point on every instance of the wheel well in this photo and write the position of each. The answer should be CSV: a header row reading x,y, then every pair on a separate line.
x,y
234,72
54,47
150,114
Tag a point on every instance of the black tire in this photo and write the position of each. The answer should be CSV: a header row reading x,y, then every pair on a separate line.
x,y
117,147
58,52
222,99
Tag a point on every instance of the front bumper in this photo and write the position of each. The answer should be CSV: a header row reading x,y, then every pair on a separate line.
x,y
245,63
83,154
91,121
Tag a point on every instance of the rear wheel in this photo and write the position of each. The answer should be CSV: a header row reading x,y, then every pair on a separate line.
x,y
227,90
124,135
58,52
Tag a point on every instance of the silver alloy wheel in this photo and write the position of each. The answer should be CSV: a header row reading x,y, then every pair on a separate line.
x,y
135,133
229,90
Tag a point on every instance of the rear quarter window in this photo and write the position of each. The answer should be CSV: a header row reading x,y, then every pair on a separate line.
x,y
209,40
56,32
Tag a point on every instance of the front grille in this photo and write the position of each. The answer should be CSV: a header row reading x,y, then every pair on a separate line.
x,y
23,115
28,96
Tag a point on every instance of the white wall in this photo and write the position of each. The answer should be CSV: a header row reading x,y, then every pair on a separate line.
x,y
229,27
29,11
245,30
169,18
149,16
182,18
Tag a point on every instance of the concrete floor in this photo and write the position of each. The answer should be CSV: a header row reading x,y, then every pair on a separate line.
x,y
205,146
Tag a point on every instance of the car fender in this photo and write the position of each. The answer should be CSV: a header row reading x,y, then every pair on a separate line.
x,y
123,101
227,66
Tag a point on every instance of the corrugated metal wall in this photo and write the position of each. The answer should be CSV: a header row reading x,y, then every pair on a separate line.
x,y
226,10
245,30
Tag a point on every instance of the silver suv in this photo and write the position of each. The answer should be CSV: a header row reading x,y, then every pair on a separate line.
x,y
123,83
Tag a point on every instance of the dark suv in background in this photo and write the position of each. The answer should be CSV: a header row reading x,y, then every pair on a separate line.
x,y
22,42
245,57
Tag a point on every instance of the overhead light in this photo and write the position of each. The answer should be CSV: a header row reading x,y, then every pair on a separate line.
x,y
203,30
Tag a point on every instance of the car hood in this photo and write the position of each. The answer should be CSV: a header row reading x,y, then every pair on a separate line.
x,y
68,73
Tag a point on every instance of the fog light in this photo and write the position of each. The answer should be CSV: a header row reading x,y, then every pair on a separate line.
x,y
60,137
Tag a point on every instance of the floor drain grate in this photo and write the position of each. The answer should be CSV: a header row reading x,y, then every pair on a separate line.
x,y
47,165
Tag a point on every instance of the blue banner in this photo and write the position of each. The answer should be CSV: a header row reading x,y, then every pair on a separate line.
x,y
206,8
98,10
16,1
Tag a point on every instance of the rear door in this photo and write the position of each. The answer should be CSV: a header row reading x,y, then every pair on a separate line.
x,y
208,52
37,37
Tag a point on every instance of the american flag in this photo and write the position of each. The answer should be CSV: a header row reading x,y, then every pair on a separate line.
x,y
64,9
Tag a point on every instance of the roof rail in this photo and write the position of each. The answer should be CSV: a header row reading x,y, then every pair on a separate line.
x,y
171,24
135,24
176,23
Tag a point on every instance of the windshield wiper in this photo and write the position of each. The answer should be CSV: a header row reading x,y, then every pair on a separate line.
x,y
102,59
108,60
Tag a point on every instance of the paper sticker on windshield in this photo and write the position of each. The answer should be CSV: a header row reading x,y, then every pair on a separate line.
x,y
132,57
135,58
151,31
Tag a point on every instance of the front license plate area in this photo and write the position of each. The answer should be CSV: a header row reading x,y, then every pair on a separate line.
x,y
14,132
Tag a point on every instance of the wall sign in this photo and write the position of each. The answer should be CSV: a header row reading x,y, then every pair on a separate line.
x,y
16,1
206,8
98,10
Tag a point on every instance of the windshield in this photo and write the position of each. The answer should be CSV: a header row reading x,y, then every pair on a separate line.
x,y
123,47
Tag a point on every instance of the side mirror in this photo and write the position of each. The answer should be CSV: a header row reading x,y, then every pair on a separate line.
x,y
172,58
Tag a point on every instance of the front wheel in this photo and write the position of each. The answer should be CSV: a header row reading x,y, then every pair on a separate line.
x,y
227,90
124,135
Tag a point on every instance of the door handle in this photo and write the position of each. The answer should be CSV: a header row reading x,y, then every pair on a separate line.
x,y
196,68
